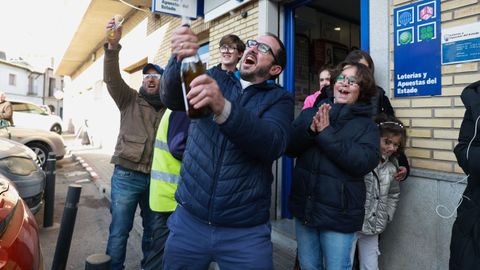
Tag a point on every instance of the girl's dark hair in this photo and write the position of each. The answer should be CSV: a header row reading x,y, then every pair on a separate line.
x,y
365,80
356,55
390,125
327,67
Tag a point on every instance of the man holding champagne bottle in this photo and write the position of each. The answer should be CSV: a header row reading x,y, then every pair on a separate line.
x,y
224,193
140,112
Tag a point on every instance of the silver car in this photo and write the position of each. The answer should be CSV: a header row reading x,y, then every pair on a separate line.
x,y
18,163
40,141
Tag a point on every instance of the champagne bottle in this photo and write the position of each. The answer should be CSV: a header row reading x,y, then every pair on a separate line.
x,y
190,68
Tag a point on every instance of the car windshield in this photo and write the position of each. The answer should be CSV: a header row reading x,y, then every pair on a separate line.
x,y
27,108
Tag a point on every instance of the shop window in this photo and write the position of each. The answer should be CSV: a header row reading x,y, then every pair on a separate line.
x,y
31,87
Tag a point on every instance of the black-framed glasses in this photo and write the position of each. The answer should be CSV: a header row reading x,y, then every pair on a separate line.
x,y
226,48
261,47
350,80
152,75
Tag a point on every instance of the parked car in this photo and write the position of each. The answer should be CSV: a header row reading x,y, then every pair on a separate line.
x,y
20,164
29,115
40,141
19,239
45,108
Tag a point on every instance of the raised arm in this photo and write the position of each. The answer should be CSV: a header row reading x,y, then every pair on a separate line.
x,y
183,44
121,93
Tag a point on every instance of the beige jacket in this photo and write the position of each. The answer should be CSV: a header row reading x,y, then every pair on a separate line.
x,y
6,111
138,119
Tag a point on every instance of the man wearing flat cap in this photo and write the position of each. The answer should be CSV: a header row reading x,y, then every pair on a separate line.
x,y
140,114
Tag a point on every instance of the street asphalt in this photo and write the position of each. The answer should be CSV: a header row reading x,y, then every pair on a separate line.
x,y
91,224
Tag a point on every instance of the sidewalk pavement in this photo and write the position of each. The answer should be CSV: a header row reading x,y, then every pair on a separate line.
x,y
97,163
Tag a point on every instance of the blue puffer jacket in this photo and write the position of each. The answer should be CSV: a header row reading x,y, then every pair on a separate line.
x,y
227,169
328,191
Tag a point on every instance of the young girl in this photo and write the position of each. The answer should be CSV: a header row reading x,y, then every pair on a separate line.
x,y
383,191
323,81
336,145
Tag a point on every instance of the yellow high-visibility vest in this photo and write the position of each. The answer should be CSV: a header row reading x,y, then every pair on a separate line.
x,y
165,173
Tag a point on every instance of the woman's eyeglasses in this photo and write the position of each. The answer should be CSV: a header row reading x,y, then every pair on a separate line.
x,y
351,80
261,47
225,49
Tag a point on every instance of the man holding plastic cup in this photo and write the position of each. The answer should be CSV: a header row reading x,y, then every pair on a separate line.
x,y
140,112
226,175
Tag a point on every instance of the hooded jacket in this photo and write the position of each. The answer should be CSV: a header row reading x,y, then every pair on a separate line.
x,y
328,188
383,193
465,242
226,172
6,111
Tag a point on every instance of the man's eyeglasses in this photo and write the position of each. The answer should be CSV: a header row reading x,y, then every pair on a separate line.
x,y
225,49
351,80
152,76
261,47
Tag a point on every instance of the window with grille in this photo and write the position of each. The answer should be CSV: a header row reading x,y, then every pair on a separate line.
x,y
12,79
51,87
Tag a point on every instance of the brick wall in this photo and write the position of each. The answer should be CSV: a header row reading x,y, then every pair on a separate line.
x,y
165,23
433,122
213,31
245,28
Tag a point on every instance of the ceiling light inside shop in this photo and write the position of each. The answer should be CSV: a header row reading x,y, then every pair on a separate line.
x,y
337,28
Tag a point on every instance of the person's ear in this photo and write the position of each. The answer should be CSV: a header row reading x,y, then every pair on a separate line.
x,y
275,70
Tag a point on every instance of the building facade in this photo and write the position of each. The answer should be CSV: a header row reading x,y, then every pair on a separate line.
x,y
21,82
315,33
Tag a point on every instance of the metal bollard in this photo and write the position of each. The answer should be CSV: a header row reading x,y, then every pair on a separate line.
x,y
49,191
98,262
66,227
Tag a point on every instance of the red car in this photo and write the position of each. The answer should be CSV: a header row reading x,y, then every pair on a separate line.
x,y
19,239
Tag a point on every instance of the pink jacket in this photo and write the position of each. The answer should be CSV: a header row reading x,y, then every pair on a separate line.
x,y
310,100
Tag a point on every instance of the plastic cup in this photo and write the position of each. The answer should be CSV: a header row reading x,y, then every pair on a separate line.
x,y
118,22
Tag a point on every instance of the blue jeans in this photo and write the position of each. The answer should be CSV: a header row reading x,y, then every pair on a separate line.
x,y
322,249
192,244
129,189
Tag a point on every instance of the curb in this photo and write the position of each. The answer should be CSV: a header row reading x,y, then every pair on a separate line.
x,y
88,168
94,177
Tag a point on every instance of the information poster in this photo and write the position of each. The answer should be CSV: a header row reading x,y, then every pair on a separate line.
x,y
417,65
461,44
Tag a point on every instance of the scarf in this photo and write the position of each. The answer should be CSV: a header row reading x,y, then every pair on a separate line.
x,y
152,99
